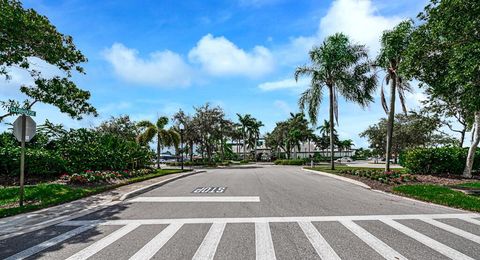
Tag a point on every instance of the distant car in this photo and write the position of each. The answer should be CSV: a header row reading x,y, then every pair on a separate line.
x,y
344,160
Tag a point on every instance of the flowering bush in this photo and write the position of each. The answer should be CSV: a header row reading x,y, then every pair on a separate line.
x,y
390,177
90,177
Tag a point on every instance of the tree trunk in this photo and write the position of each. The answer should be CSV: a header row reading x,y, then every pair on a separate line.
x,y
244,147
332,163
191,152
391,119
467,173
462,136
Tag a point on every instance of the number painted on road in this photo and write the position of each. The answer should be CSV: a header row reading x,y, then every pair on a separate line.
x,y
209,190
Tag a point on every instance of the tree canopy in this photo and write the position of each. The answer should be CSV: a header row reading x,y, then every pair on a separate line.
x,y
24,35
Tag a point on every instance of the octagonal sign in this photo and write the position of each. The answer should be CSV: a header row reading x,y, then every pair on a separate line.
x,y
30,129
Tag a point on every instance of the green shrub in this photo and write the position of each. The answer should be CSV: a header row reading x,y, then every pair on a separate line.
x,y
39,162
290,162
443,160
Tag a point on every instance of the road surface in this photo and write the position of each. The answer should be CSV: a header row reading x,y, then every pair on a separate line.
x,y
260,212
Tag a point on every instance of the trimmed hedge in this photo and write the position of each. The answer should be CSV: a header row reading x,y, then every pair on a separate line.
x,y
39,162
443,160
290,162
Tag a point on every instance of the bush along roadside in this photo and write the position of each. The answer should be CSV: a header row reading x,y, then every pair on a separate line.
x,y
290,162
95,177
391,177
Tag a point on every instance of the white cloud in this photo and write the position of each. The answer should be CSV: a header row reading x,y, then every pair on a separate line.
x,y
359,19
284,84
220,57
162,68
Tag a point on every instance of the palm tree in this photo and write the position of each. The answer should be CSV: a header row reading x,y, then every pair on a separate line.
x,y
254,134
245,122
341,67
347,144
165,137
394,45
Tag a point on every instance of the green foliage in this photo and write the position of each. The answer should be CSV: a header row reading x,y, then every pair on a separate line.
x,y
440,195
290,162
91,177
391,177
25,34
90,150
443,160
38,162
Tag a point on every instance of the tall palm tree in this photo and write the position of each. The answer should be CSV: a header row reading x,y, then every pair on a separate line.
x,y
165,137
245,122
394,44
343,69
254,134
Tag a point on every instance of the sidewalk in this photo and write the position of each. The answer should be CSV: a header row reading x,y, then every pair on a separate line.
x,y
27,222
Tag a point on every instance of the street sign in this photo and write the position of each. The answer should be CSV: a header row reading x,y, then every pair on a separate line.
x,y
30,128
22,111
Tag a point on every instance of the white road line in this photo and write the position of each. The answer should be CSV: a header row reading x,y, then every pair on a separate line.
x,y
324,250
209,244
453,230
263,242
49,243
466,217
472,220
152,247
378,245
435,245
104,242
197,199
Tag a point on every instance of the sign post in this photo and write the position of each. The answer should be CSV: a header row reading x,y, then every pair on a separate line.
x,y
24,129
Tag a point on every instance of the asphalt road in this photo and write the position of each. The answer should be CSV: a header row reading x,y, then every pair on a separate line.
x,y
264,212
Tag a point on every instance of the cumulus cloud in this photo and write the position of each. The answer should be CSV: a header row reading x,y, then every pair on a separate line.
x,y
162,68
359,19
284,84
220,57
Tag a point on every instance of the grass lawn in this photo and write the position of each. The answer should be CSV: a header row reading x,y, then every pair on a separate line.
x,y
48,194
440,195
471,185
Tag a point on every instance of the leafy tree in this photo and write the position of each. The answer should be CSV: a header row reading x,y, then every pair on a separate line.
x,y
165,137
410,131
25,34
444,54
190,133
394,44
120,126
343,69
208,120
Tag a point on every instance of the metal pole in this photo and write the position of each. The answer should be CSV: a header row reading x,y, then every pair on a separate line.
x,y
22,159
181,143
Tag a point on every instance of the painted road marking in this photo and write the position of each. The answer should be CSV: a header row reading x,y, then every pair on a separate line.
x,y
376,244
466,217
209,244
152,247
104,242
263,240
264,249
453,230
197,199
49,243
209,190
324,250
435,245
472,220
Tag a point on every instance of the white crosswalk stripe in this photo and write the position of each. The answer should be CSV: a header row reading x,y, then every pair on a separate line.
x,y
435,245
264,245
152,247
375,243
104,242
263,242
209,245
453,230
323,249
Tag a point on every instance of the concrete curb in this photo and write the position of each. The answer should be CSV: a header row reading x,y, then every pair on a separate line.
x,y
156,185
331,175
87,211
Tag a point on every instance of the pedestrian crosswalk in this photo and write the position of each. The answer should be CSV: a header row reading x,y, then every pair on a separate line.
x,y
265,244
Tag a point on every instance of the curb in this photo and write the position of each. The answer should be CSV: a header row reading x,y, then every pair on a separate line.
x,y
331,175
150,187
87,211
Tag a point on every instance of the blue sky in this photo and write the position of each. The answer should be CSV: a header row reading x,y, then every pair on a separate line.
x,y
150,58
